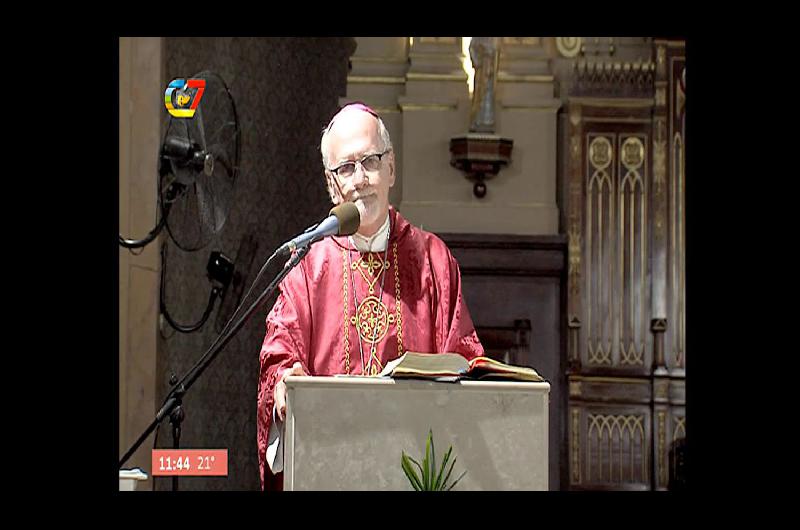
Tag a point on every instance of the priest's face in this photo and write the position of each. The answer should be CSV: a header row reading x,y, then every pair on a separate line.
x,y
359,168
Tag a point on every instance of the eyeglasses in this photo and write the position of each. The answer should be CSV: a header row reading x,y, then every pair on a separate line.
x,y
368,163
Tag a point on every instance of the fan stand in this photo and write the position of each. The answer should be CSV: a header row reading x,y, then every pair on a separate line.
x,y
174,400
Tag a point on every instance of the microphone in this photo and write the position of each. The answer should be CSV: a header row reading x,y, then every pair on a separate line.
x,y
343,220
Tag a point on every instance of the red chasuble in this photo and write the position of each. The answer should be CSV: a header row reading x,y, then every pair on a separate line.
x,y
339,306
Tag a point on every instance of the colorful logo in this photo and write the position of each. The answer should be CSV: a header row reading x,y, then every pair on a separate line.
x,y
183,95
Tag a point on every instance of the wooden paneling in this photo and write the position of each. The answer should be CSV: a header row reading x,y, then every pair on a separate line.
x,y
624,201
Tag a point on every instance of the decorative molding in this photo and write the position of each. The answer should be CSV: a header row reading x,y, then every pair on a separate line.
x,y
659,153
661,96
437,40
600,152
661,60
632,199
600,433
527,78
417,76
662,451
611,119
632,153
604,379
376,80
599,193
678,427
608,102
575,477
613,79
661,389
521,41
569,47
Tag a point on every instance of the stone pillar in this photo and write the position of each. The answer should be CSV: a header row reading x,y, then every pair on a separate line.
x,y
377,77
521,199
141,111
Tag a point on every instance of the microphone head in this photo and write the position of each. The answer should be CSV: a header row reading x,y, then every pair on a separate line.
x,y
349,218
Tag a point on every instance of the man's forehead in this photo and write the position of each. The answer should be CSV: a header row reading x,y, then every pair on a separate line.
x,y
353,136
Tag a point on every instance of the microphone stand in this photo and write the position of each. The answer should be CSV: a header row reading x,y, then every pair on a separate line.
x,y
174,401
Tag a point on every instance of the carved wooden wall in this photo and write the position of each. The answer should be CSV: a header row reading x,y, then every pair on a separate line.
x,y
625,226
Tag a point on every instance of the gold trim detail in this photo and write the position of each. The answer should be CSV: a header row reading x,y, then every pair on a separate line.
x,y
632,201
600,152
345,329
632,153
661,390
629,428
593,119
574,389
575,115
659,151
599,259
661,96
575,442
678,428
569,46
398,309
661,61
371,313
662,454
574,260
372,320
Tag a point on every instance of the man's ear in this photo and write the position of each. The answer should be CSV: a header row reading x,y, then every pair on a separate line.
x,y
332,189
391,169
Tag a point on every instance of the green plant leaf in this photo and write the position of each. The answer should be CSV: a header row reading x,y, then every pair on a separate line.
x,y
426,462
429,477
410,473
418,467
439,485
456,482
432,477
453,463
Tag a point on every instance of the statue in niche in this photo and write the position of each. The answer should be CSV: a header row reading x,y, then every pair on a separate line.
x,y
485,55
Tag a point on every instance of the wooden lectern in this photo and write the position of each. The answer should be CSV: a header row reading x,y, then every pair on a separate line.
x,y
348,433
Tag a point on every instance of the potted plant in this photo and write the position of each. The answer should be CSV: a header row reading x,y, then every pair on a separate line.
x,y
429,478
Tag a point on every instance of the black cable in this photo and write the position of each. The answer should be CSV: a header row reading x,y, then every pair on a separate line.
x,y
222,334
163,306
137,243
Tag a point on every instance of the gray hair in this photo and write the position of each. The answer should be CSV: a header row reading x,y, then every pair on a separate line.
x,y
323,145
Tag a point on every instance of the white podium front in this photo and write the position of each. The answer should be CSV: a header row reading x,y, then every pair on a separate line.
x,y
347,433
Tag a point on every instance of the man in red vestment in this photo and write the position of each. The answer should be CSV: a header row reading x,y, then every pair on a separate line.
x,y
354,303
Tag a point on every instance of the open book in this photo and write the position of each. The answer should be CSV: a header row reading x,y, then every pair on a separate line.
x,y
452,366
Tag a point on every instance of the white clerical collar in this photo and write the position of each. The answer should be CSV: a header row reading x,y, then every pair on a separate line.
x,y
375,243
